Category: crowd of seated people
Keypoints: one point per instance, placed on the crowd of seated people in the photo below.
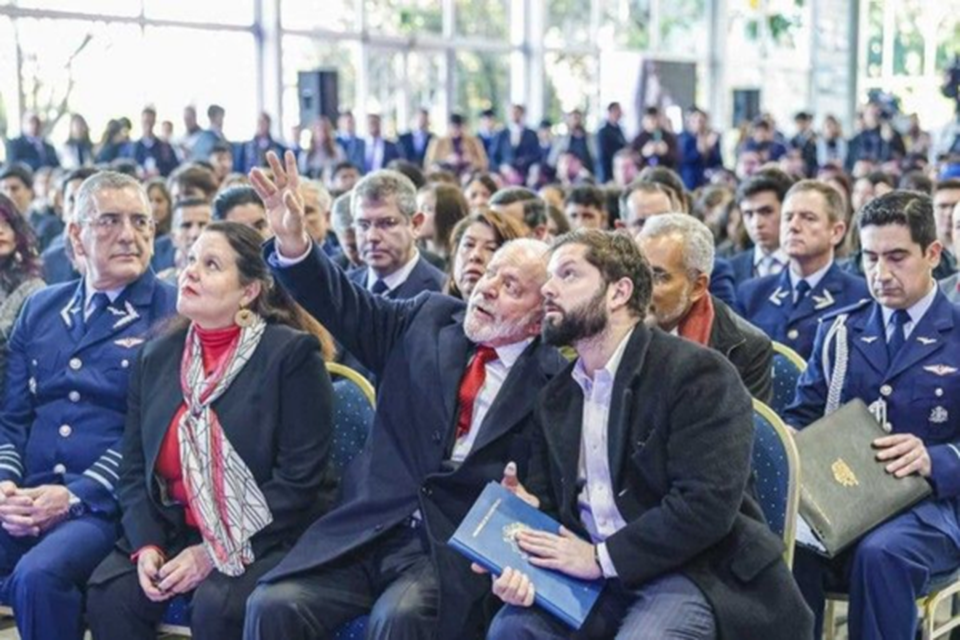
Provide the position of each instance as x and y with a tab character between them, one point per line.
580	317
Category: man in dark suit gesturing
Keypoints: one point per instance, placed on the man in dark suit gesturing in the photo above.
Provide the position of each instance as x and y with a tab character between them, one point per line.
643	453
455	402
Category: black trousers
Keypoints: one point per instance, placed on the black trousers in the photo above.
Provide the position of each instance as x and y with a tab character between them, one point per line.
392	578
118	609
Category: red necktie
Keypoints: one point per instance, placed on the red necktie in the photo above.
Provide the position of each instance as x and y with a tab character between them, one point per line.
470	386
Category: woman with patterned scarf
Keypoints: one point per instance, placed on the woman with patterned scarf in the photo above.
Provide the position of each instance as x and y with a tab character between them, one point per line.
225	456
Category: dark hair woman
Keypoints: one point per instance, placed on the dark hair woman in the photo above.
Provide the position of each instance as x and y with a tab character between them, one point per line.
19	271
443	206
226	449
473	242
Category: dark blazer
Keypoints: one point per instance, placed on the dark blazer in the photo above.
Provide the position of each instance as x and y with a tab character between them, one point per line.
610	139
24	150
164	157
670	159
355	150
408	144
277	414
721	281
418	351
520	157
747	347
742	264
680	435
424	277
391	152
251	155
768	303
57	267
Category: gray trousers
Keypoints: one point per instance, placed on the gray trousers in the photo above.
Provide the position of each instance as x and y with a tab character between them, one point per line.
392	579
669	608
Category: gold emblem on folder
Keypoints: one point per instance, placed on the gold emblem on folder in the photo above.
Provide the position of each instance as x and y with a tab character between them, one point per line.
843	474
510	533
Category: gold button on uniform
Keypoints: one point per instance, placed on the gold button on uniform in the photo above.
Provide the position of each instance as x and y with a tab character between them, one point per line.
886	390
793	334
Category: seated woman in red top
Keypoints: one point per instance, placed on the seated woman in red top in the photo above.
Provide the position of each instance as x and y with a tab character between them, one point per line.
226	449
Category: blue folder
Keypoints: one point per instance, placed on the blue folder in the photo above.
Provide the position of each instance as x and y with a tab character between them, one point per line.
486	536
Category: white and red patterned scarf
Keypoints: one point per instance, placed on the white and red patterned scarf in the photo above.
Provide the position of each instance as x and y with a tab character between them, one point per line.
223	495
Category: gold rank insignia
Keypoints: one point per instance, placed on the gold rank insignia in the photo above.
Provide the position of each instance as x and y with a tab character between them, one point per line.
843	474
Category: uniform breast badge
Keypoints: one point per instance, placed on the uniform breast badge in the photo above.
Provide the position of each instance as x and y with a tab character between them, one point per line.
940	369
939	415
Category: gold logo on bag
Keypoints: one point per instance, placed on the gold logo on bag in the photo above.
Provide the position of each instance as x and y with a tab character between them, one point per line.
843	474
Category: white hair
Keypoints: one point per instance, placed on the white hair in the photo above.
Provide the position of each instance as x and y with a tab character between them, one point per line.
317	188
105	181
698	243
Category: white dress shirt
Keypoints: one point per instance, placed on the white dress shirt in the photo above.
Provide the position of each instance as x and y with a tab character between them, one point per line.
813	279
88	293
496	372
766	264
396	278
598	508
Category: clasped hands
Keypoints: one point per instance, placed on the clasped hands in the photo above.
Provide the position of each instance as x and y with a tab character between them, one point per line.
161	580
566	553
30	512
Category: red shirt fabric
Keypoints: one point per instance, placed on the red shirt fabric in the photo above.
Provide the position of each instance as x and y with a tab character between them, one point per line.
215	345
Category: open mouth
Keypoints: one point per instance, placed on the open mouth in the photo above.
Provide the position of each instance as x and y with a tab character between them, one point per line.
188	291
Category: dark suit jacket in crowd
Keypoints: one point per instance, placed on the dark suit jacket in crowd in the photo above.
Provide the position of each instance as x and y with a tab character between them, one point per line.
680	434
520	157
164	157
26	151
610	139
747	347
418	350
721	281
424	277
408	145
57	267
355	149
742	264
250	154
277	415
671	159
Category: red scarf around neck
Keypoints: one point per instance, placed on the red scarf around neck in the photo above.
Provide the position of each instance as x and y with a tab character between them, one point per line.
698	323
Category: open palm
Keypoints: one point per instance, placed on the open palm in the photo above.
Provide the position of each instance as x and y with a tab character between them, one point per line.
283	202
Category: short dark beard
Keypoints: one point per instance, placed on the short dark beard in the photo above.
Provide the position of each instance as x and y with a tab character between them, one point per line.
586	321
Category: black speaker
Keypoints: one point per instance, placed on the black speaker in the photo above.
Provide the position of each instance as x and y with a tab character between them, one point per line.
317	91
746	105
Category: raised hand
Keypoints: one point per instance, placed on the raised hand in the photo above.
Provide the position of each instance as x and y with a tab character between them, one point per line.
284	204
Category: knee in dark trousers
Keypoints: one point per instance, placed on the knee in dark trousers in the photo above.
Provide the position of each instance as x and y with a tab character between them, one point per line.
215	613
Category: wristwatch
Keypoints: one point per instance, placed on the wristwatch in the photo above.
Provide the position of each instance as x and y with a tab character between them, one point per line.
75	506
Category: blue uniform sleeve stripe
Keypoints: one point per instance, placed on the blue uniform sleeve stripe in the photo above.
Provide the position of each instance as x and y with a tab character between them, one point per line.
109	461
8	459
7	446
11	469
93	475
107	470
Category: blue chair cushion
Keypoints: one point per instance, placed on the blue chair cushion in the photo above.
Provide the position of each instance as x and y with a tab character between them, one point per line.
771	472
785	376
352	419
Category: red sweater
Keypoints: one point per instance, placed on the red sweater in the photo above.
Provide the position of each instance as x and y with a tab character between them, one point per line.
215	345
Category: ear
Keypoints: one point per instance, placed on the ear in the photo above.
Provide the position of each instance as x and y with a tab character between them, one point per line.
836	234
622	291
417	219
251	292
701	287
933	254
73	237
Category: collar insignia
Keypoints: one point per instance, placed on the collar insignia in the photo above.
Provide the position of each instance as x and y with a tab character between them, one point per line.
824	301
779	295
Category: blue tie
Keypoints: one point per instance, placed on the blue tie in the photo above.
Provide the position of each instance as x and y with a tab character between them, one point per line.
898	338
98	302
379	287
801	291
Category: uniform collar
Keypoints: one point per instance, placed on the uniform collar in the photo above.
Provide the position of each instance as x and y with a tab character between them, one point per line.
813	279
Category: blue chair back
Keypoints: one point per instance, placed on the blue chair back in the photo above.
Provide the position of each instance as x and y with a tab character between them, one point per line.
352	413
776	470
788	366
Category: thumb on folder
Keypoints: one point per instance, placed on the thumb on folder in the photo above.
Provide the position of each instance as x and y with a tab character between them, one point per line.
512	484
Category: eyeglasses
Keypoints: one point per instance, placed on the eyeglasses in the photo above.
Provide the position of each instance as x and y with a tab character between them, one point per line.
110	223
381	224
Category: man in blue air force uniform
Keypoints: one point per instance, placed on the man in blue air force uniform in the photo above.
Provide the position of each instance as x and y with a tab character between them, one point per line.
788	306
900	354
64	406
